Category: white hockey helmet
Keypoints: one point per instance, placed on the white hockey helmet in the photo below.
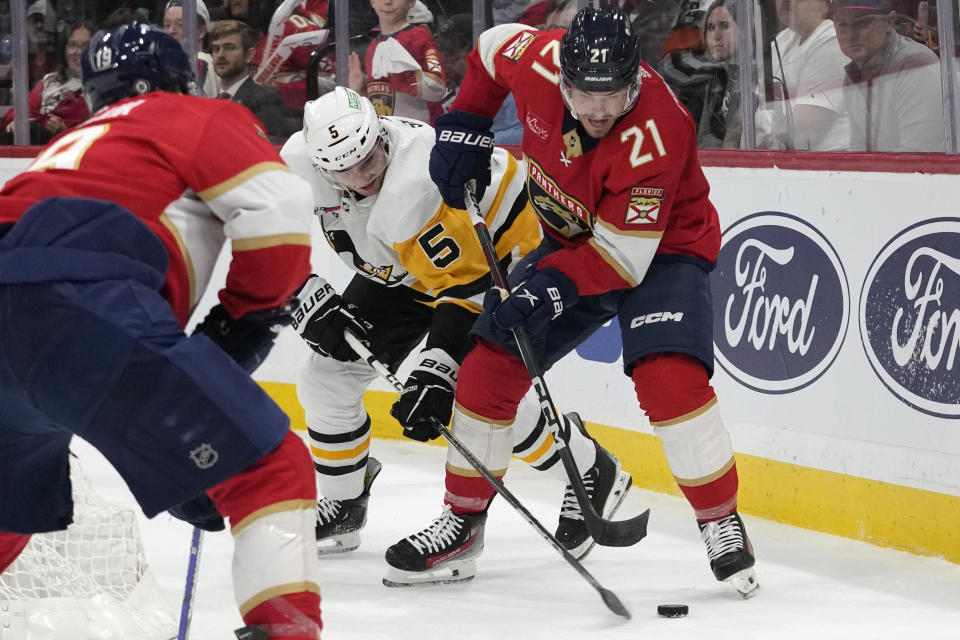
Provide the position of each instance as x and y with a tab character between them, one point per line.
341	128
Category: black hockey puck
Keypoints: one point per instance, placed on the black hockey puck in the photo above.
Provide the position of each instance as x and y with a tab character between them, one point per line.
672	610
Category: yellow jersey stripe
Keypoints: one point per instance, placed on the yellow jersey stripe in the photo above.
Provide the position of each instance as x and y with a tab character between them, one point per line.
218	190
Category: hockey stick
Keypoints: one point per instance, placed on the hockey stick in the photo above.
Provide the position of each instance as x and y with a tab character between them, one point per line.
610	533
190	588
609	597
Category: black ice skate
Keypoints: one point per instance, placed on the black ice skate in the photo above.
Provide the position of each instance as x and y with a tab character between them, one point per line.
607	485
251	633
339	521
730	553
443	552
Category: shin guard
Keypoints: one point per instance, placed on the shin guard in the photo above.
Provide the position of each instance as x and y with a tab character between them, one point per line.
491	442
674	391
534	443
272	512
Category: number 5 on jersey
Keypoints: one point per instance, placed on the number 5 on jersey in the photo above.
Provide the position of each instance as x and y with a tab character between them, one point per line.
441	250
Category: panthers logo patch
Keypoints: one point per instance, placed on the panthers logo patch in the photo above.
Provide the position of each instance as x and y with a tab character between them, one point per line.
382	97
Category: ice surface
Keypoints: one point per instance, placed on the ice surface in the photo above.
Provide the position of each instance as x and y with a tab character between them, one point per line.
813	586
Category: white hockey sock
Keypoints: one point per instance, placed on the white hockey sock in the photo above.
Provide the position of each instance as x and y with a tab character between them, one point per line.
535	445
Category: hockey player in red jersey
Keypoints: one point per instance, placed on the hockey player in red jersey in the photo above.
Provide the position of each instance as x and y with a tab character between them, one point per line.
629	231
107	242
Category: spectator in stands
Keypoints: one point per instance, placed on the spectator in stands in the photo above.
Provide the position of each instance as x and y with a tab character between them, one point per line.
56	101
807	65
892	83
653	21
173	24
41	36
289	78
549	14
119	16
420	14
401	72
685	65
233	46
720	123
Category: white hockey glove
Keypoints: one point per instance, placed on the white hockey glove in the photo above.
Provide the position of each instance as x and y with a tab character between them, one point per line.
322	318
427	397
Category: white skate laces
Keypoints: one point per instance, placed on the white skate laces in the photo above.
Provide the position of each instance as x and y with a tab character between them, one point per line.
570	509
441	533
327	510
722	536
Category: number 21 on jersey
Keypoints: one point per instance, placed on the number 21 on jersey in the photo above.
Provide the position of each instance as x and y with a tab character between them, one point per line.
637	157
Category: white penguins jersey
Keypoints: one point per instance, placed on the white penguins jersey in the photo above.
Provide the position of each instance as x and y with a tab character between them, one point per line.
405	235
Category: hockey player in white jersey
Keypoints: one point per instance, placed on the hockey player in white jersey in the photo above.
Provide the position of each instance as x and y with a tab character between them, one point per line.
420	272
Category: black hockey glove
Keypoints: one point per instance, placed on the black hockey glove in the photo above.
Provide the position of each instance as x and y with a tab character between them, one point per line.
462	153
536	302
322	318
427	396
200	512
247	339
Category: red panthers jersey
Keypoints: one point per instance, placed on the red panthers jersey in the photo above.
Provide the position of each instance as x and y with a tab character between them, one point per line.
197	172
409	94
290	78
616	202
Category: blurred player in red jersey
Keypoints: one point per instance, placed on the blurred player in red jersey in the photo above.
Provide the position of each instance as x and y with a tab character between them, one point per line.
107	242
290	78
629	232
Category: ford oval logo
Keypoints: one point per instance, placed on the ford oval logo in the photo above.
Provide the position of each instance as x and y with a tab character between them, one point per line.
910	316
781	303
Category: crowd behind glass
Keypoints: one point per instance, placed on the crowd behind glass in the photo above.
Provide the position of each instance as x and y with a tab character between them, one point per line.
824	75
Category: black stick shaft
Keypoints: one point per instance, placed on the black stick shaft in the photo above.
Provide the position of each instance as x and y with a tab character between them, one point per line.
609	598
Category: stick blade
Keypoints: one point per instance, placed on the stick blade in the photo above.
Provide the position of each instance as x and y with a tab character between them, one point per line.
613	603
617	533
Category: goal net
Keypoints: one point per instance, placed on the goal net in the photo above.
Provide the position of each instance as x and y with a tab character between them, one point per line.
89	582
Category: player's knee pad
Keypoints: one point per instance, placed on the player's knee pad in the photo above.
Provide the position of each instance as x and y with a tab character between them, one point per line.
284	475
670	385
491	441
674	391
491	382
534	442
331	393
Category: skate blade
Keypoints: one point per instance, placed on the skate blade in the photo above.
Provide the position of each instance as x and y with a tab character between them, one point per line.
338	544
745	582
617	495
450	572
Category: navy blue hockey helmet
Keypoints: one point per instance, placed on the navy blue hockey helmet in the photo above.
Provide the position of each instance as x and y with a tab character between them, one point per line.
131	60
600	52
